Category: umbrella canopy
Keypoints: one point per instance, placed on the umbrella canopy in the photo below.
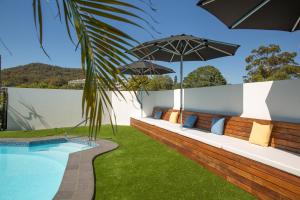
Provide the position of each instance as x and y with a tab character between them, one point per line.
145	68
183	48
256	14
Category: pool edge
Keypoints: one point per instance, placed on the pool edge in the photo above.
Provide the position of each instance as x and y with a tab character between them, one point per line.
78	182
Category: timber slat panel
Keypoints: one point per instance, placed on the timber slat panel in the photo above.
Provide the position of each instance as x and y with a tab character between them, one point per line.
284	136
286	148
193	144
259	179
233	162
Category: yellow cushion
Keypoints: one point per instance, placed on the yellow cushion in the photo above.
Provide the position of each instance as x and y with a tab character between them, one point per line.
173	117
260	134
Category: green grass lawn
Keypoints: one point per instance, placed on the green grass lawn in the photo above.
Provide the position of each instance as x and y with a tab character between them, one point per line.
142	168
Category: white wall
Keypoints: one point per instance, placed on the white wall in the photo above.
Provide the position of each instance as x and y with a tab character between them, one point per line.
275	100
176	96
254	96
164	98
130	106
43	108
226	100
30	109
47	108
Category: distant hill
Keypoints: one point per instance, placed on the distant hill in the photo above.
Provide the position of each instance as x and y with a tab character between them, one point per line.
40	75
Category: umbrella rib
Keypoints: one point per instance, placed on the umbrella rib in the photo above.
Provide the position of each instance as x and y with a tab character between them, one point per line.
198	54
186	44
250	13
194	48
148	70
296	24
219	42
168	50
152	69
152	52
175	49
220	50
142	47
140	50
196	41
207	2
172	57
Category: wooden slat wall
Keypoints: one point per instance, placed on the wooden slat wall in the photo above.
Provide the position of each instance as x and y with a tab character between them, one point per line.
284	136
258	179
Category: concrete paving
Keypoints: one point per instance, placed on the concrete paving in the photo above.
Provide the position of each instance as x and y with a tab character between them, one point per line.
79	182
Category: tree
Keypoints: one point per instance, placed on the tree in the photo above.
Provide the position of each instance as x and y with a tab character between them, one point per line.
176	85
153	84
102	44
203	77
58	82
32	73
160	82
138	83
268	63
175	80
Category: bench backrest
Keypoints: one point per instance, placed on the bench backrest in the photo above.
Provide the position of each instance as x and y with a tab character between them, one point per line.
284	135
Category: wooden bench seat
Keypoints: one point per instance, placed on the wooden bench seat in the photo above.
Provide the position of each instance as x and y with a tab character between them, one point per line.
260	179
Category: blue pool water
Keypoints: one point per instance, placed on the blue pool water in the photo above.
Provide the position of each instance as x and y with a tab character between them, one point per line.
35	171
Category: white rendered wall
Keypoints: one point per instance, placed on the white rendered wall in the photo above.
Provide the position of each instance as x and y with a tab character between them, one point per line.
272	100
276	100
255	95
164	98
226	100
43	108
130	106
47	108
176	96
31	109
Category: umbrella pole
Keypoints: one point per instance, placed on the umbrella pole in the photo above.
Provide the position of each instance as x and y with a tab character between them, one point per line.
140	94
142	97
181	75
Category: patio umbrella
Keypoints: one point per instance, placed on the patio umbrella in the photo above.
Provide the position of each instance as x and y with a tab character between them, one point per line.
182	48
145	68
141	68
256	14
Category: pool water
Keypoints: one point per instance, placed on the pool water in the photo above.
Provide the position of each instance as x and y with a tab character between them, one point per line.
34	171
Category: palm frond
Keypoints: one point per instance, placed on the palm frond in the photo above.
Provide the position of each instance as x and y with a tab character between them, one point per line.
102	45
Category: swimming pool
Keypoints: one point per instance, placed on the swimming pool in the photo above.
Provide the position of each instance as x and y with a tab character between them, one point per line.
34	170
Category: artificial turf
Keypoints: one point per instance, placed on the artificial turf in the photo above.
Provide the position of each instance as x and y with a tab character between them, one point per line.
142	168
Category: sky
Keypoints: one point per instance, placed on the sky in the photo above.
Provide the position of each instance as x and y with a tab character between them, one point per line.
173	16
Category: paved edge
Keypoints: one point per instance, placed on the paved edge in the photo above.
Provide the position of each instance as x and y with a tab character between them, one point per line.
78	182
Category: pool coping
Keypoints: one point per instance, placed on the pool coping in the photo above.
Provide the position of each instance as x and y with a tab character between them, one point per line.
78	182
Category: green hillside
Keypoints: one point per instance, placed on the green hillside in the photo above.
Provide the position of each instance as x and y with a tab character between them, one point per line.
38	75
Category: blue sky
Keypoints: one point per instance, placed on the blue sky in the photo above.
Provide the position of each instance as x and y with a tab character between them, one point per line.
174	17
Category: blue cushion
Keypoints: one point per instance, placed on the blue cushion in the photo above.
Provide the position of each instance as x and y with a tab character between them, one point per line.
217	126
190	121
157	114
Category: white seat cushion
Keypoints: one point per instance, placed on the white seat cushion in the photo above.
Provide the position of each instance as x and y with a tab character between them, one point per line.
276	158
202	136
